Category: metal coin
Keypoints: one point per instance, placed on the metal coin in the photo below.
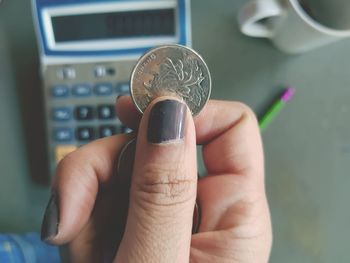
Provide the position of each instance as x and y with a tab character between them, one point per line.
171	70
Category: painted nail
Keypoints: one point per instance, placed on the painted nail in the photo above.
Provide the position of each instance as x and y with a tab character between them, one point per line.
49	228
166	121
196	218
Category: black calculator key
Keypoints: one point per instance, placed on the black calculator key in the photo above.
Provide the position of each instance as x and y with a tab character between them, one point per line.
83	113
81	90
59	91
85	133
125	129
106	112
103	89
62	134
61	114
107	130
123	88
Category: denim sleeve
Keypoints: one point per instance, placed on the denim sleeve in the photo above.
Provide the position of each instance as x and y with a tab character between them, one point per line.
26	248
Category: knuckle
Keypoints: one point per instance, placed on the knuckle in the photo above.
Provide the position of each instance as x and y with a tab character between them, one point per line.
71	166
248	116
165	185
246	110
66	162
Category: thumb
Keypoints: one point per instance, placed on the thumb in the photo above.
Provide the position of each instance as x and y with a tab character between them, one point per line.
163	189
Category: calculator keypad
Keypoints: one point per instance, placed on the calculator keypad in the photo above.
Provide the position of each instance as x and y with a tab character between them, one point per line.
101	118
80	102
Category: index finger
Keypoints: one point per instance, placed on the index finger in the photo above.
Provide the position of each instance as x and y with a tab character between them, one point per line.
78	178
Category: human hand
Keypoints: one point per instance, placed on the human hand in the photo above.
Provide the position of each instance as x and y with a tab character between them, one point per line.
235	223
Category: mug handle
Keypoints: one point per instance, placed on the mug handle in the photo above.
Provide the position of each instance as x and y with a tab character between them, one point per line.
251	14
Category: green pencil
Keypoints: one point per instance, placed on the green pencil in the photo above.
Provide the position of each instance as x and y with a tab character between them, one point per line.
276	108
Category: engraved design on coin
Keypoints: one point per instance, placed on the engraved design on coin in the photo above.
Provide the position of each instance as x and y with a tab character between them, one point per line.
171	70
183	78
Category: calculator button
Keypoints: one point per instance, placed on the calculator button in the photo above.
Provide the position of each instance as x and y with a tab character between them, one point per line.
106	112
103	71
62	150
107	130
81	90
85	133
123	88
59	91
100	71
61	114
82	113
103	89
62	134
66	73
125	129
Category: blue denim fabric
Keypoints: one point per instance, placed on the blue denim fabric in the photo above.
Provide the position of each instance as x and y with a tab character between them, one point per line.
26	248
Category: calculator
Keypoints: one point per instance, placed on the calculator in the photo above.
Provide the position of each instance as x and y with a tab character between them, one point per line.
88	49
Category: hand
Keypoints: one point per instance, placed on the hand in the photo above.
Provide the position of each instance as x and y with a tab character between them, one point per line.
235	222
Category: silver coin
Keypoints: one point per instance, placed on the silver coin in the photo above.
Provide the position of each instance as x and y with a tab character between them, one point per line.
171	70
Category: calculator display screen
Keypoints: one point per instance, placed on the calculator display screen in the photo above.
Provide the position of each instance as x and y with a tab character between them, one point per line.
114	25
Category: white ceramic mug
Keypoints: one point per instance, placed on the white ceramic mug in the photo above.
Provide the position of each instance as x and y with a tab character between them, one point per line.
296	26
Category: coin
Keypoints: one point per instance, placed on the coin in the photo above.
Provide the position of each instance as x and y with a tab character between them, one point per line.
171	70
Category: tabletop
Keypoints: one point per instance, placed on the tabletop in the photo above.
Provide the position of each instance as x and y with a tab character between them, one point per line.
307	148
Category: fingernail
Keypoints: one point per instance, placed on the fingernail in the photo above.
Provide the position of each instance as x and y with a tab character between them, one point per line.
166	121
126	163
196	218
49	228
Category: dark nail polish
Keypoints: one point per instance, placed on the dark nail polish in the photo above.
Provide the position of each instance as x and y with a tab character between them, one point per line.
49	228
166	121
196	218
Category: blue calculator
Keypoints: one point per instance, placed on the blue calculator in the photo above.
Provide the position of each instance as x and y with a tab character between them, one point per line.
88	49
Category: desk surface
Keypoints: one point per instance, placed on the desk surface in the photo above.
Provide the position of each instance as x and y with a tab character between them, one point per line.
307	147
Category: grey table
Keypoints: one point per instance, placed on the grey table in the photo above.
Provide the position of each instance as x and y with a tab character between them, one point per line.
307	147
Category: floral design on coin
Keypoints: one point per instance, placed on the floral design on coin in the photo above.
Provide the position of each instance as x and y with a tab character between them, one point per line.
171	70
183	78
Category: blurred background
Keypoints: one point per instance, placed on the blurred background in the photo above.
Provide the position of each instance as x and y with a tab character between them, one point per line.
307	147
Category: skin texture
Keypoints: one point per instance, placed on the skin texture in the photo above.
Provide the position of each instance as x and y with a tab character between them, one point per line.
235	220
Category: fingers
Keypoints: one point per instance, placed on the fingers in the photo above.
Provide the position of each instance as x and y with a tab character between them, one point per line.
234	140
234	209
127	113
229	131
233	202
75	188
232	150
163	189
